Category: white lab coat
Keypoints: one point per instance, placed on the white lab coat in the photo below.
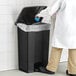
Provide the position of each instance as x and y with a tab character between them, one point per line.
64	35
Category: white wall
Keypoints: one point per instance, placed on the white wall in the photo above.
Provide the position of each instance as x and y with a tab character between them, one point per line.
9	10
8	42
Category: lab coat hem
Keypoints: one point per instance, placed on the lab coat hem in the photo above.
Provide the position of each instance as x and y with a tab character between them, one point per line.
56	46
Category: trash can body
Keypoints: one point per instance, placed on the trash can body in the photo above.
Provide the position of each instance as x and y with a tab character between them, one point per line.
33	49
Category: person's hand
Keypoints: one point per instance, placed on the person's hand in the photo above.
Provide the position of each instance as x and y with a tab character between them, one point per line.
44	13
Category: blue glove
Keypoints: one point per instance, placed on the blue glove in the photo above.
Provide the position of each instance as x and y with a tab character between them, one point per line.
37	19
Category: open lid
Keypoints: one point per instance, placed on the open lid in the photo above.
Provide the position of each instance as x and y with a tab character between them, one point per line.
28	14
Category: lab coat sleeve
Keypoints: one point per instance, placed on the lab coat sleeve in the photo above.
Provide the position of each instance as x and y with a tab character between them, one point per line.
53	6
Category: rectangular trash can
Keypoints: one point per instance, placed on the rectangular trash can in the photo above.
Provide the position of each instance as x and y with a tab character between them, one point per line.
33	45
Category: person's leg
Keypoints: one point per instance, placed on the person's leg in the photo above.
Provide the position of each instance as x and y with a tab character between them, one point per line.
72	61
54	59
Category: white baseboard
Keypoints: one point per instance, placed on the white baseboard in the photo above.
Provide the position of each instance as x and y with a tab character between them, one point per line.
9	67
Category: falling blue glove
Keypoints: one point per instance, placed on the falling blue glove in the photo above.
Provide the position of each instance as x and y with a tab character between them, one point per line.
37	19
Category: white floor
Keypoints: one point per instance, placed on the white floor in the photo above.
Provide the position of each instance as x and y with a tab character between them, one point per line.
61	72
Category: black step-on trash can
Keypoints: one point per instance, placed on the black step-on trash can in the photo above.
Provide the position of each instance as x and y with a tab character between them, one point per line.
33	39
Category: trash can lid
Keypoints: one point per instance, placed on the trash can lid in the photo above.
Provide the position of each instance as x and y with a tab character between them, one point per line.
28	14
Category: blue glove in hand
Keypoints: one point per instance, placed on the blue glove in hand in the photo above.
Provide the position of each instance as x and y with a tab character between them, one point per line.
46	17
